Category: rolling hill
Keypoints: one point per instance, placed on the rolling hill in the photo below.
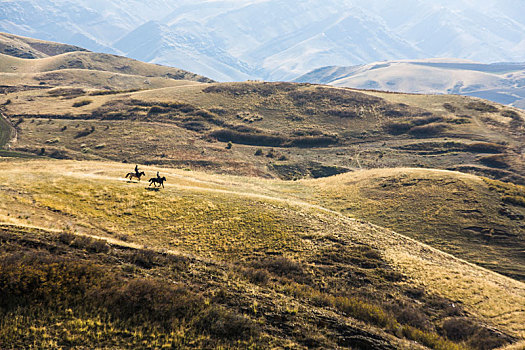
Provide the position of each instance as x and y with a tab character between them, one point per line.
278	129
297	275
498	82
293	216
19	57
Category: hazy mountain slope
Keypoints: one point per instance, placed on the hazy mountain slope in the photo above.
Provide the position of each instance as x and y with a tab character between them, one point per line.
480	31
157	43
275	39
501	82
94	25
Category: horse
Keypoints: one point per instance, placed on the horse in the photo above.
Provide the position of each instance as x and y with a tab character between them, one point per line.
137	175
157	180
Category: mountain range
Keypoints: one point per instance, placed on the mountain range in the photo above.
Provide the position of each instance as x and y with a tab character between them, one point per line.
231	40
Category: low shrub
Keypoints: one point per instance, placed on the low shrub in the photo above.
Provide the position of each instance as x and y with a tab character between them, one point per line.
150	300
495	161
409	315
428	130
426	120
449	107
144	258
66	92
510	193
257	276
90	244
343	113
398	128
222	323
478	337
268	140
82	103
282	266
85	132
111	92
157	110
511	114
195	126
485	147
516	200
428	339
53	140
481	106
364	311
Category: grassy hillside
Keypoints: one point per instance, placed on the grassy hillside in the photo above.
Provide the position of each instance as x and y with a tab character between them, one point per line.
23	47
251	266
477	219
96	62
276	129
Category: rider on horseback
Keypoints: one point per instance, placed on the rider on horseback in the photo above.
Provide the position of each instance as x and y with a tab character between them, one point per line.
137	170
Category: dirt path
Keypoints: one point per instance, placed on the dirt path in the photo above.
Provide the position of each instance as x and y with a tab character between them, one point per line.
7	131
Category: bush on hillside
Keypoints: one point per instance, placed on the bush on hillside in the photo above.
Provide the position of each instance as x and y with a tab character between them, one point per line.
428	130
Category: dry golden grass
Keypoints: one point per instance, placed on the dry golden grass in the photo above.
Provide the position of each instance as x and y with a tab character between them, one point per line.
92	61
457	213
225	217
283	115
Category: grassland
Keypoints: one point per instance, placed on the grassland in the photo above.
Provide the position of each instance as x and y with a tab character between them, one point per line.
394	252
280	130
479	220
24	47
281	267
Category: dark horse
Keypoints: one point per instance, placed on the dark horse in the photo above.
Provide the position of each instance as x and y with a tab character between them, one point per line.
137	175
157	180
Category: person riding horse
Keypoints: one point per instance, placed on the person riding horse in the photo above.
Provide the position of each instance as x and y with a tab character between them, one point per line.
138	174
157	180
